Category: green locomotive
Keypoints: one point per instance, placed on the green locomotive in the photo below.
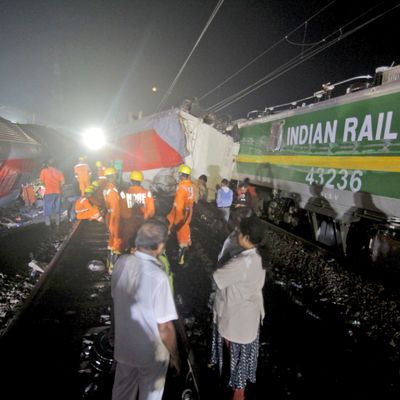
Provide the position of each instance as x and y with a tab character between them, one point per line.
334	163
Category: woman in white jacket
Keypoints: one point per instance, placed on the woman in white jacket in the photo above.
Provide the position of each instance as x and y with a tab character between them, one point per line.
239	307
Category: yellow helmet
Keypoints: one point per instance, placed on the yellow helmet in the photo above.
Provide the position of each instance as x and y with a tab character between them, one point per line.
184	169
110	171
95	184
136	176
89	189
98	164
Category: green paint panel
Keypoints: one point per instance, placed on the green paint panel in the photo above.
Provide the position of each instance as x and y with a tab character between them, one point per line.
368	126
377	183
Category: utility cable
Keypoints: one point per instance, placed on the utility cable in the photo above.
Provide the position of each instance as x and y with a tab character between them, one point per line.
334	41
171	87
264	52
287	64
293	63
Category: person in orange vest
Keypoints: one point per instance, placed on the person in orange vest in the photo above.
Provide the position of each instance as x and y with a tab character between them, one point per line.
82	174
113	214
100	171
98	197
52	179
182	210
137	206
85	208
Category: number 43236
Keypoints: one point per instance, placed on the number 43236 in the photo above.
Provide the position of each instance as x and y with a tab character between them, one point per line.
331	178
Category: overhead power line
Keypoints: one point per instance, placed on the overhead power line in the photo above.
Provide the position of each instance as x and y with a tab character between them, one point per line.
171	87
295	62
265	52
295	59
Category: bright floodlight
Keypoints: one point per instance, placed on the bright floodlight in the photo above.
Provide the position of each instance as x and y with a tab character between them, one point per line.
94	138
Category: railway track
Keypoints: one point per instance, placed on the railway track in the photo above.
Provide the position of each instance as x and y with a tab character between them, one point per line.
42	347
309	243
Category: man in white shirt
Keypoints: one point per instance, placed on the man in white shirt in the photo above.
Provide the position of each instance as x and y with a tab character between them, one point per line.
144	308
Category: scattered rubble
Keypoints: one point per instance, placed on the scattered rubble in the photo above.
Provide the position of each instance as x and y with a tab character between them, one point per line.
322	288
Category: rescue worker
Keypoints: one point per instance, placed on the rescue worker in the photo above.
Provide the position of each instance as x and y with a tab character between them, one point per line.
98	197
100	171
82	174
113	214
85	208
182	210
52	179
137	206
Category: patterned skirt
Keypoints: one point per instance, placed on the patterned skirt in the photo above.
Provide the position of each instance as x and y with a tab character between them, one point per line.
243	359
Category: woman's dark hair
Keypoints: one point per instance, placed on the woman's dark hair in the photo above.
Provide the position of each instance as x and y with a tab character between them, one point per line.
151	234
203	178
254	229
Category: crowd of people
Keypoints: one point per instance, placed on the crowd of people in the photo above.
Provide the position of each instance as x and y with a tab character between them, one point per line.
143	331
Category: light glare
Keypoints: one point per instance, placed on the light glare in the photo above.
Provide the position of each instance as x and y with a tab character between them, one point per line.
94	138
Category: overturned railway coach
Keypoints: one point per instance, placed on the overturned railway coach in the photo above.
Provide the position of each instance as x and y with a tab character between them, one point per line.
19	156
335	162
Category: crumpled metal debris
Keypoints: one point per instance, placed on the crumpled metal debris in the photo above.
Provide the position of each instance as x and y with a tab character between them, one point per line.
9	223
96	266
35	267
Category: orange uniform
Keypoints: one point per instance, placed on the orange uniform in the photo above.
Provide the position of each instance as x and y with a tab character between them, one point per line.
82	174
112	203
100	172
182	210
97	197
52	179
86	210
137	205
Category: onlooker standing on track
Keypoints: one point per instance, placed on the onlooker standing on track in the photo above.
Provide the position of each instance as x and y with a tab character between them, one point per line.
239	308
224	199
254	196
52	179
242	205
144	308
200	189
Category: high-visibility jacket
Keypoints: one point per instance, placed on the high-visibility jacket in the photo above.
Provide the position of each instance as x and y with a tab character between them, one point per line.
137	205
97	198
100	172
82	174
113	214
86	210
138	200
182	210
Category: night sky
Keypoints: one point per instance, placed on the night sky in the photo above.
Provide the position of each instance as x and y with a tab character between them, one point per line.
76	63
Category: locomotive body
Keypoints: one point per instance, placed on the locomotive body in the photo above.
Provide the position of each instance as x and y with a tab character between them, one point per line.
336	162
